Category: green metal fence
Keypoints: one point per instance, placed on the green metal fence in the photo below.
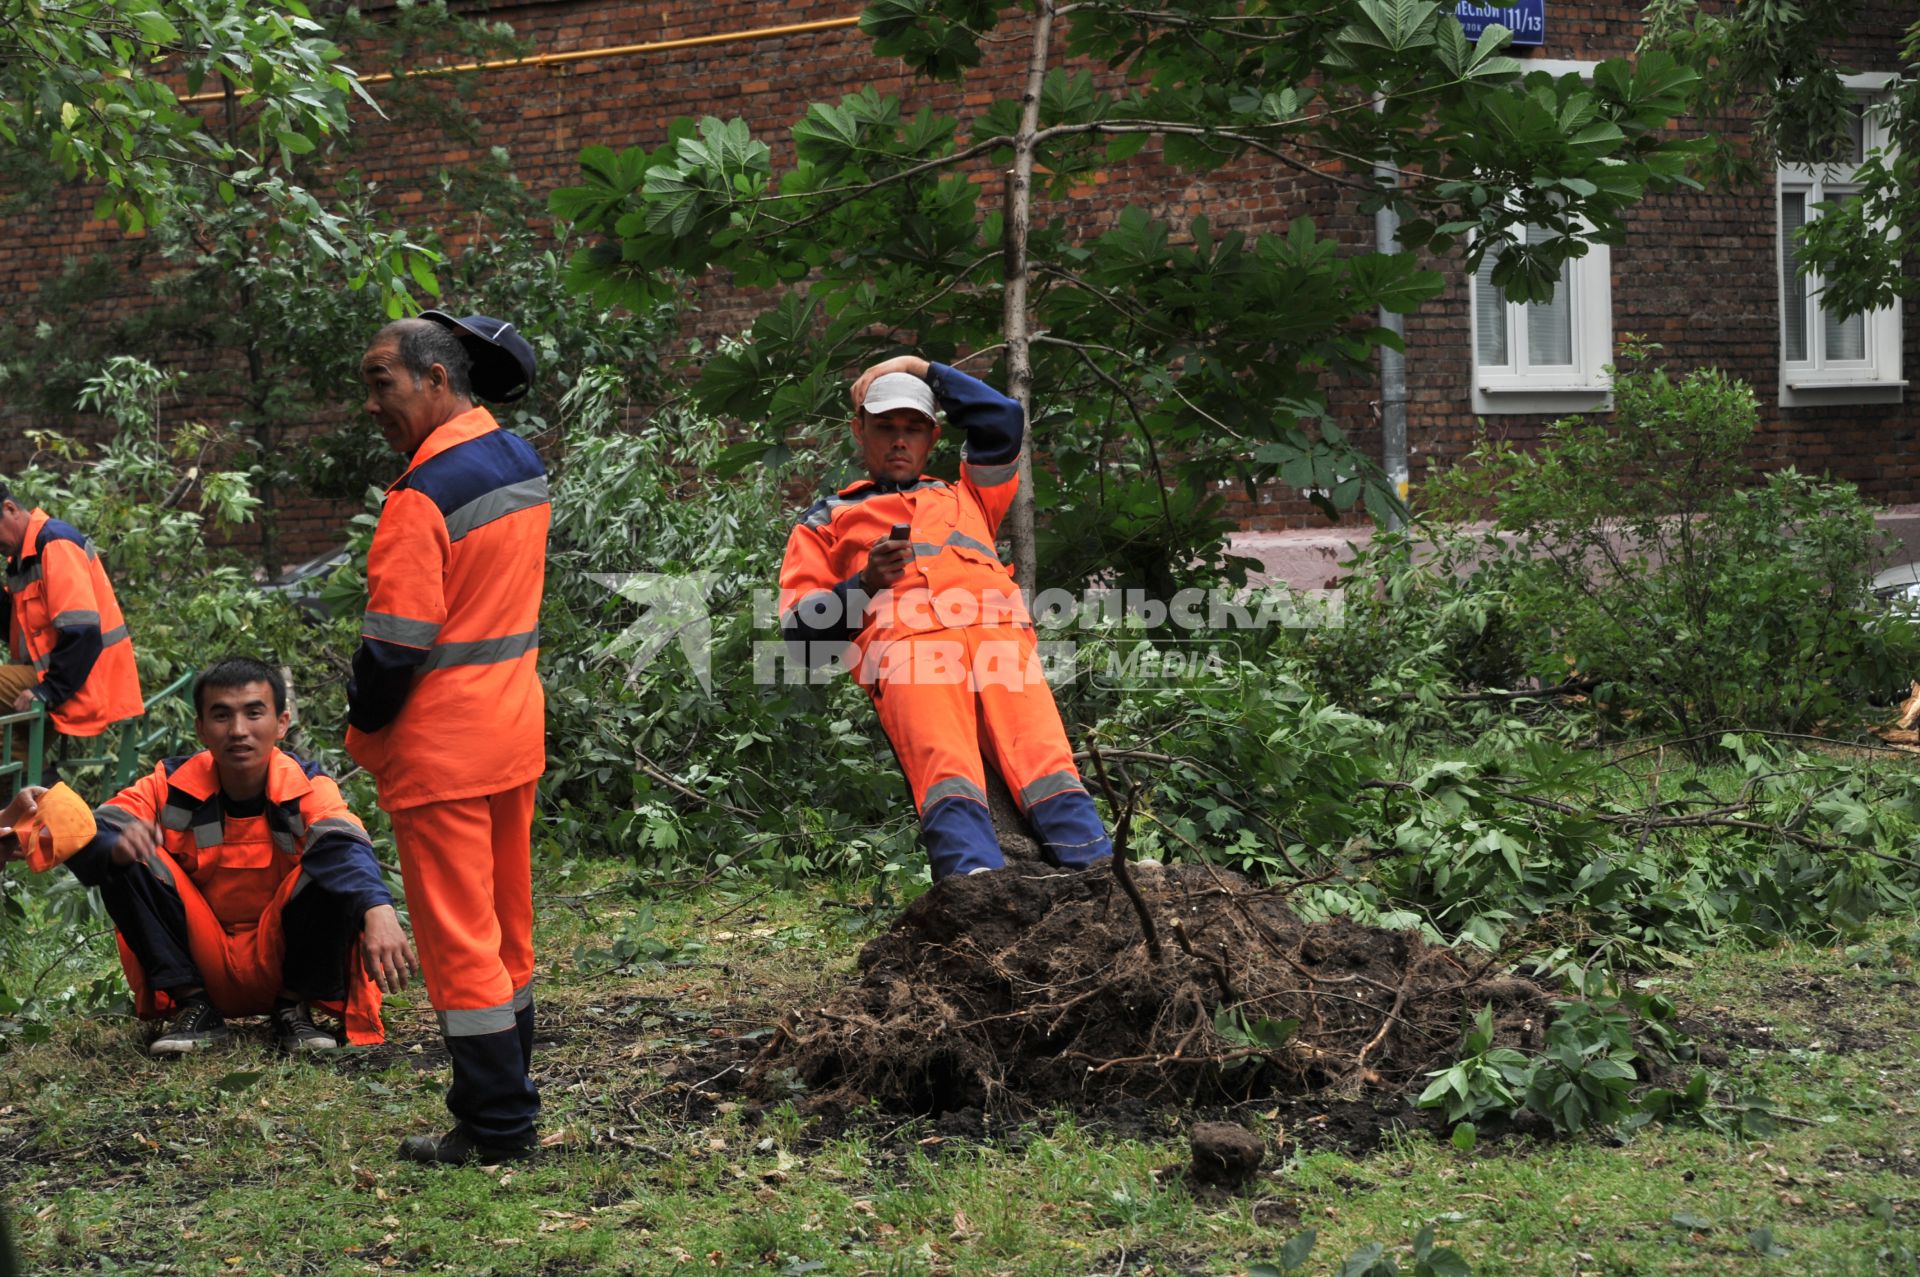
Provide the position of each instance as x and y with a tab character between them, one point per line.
25	733
130	747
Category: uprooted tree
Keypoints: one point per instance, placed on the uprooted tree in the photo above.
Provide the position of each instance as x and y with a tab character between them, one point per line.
1167	358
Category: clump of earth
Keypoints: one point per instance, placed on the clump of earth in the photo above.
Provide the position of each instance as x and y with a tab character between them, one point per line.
1031	988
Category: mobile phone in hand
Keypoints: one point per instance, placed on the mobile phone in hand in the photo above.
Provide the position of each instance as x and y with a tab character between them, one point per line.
900	532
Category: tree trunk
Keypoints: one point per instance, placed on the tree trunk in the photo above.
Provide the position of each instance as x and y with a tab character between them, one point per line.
257	395
1019	220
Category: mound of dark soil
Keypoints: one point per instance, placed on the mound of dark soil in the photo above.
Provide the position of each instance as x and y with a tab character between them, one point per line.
1030	988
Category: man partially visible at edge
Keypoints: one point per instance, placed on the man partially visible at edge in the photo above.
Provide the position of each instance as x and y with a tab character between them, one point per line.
70	646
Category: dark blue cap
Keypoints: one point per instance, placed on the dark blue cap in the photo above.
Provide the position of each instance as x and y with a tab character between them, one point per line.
502	359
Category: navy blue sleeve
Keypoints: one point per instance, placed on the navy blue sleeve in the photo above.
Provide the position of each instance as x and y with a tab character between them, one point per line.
819	626
994	423
69	663
344	865
382	677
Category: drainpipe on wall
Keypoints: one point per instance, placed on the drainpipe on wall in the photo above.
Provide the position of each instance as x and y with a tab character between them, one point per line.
1393	364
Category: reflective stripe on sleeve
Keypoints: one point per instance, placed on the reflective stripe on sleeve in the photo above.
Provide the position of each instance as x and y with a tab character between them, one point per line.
118	634
77	617
404	630
112	816
337	825
481	651
18	581
992	476
497	504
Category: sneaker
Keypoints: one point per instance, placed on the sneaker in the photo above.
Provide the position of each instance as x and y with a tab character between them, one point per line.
458	1148
196	1026
294	1030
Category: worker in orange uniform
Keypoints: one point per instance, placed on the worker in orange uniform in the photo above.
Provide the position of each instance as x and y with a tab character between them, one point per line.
68	636
941	638
239	883
445	706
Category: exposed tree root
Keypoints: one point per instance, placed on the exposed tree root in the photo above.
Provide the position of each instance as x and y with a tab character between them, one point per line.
1029	987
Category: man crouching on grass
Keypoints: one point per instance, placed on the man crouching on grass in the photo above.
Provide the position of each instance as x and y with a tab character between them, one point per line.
240	884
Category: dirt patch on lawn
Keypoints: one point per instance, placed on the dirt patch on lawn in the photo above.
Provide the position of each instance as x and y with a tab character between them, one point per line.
1025	990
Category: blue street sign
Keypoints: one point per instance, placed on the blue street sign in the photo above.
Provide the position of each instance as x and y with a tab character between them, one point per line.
1527	20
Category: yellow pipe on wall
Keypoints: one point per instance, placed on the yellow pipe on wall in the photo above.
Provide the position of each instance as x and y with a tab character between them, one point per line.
583	55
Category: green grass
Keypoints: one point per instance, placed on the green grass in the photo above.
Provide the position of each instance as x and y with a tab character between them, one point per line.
241	1163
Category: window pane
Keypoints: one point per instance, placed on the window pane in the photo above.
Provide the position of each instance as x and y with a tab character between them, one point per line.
1846	338
1793	305
1550	323
1490	318
1550	328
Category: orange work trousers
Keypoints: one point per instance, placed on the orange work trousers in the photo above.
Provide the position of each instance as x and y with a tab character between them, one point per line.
946	698
241	969
467	867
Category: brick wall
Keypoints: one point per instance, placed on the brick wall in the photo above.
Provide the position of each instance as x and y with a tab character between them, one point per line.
1697	271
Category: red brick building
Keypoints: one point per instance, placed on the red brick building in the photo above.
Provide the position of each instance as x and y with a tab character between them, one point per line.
1701	273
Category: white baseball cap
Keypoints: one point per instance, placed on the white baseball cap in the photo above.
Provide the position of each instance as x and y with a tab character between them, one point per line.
900	390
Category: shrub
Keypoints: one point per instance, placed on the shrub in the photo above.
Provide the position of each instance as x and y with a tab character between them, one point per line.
1640	555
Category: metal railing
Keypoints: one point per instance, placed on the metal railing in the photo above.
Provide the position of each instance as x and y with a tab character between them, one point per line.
28	726
139	739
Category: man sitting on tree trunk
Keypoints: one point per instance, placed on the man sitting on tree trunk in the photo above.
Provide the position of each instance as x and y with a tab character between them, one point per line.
240	884
903	566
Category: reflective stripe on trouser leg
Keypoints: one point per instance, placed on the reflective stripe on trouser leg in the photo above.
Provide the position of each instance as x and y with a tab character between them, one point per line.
1021	727
470	898
923	696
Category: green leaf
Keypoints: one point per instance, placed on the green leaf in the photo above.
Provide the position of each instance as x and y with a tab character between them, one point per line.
238	1081
422	272
1465	1136
1296	1249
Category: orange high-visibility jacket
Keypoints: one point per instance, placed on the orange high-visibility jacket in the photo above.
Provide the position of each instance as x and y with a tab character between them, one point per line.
67	625
242	869
446	701
957	577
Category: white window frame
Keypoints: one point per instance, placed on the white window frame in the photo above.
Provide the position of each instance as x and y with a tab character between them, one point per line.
1584	385
1817	380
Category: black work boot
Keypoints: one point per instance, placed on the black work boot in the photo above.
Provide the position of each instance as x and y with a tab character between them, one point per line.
458	1148
196	1026
295	1032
